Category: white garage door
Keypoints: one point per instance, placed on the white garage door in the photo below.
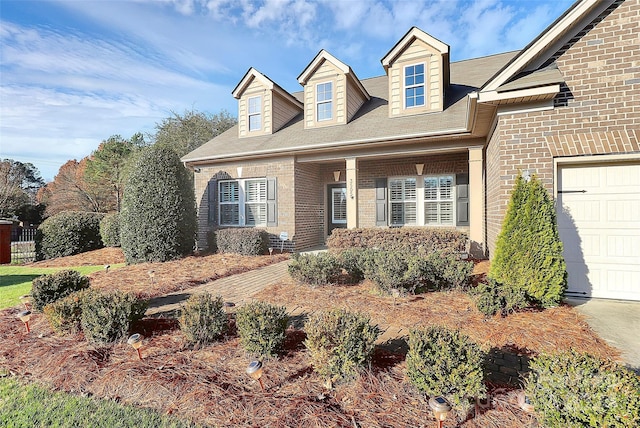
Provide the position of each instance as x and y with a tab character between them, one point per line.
599	224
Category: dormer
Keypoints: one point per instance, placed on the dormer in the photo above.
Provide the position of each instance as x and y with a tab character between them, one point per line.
263	106
332	92
418	72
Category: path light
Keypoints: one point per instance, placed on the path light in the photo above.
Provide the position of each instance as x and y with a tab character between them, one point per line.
523	402
25	316
395	293
26	300
135	340
271	251
255	371
440	407
227	307
106	268
152	275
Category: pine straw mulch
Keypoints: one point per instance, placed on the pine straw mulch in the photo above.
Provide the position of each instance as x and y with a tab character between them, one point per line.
209	385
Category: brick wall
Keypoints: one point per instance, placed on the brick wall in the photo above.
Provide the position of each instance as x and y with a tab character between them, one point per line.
597	111
309	206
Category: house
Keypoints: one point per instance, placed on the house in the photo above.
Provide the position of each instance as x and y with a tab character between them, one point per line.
436	143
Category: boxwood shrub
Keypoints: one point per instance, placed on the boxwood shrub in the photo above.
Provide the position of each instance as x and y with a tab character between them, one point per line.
203	319
572	389
262	328
315	269
65	315
110	230
491	297
68	233
247	241
48	288
107	316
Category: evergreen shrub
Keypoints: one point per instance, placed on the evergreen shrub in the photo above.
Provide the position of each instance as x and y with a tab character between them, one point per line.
48	288
65	315
339	343
315	269
571	389
110	230
68	233
492	297
158	217
212	243
203	319
262	328
247	241
445	362
107	316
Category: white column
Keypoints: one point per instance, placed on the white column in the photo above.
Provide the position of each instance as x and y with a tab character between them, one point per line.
352	193
476	203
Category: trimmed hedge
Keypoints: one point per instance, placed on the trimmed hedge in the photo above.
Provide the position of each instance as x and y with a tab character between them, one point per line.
247	241
315	269
68	233
107	316
65	315
492	297
262	328
570	389
110	230
203	319
408	239
47	289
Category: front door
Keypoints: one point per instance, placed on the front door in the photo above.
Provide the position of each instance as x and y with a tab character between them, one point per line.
337	206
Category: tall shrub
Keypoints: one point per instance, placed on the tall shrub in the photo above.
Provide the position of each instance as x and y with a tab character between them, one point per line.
68	233
110	230
528	253
107	316
203	319
158	217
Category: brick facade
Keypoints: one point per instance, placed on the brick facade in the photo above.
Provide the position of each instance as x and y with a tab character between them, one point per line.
597	111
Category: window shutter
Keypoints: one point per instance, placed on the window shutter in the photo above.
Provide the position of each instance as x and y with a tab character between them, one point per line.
212	200
272	202
462	203
381	201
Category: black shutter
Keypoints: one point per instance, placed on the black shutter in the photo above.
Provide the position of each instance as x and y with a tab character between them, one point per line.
272	202
381	201
462	203
212	193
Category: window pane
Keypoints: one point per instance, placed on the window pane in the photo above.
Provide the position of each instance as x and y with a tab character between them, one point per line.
254	105
410	213
446	212
256	214
414	85
230	214
410	189
397	213
430	188
339	205
255	190
431	212
324	92
446	186
229	191
255	122
325	111
395	190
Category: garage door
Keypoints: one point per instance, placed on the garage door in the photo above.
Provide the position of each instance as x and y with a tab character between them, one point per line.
599	223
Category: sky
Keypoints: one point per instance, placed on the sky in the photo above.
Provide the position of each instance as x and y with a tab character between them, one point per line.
75	72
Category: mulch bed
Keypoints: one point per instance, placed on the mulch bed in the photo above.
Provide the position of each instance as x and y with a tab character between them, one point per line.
209	385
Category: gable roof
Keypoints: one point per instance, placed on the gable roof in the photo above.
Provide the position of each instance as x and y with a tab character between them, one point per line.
411	35
252	74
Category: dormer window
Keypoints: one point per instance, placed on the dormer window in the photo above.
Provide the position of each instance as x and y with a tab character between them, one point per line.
255	113
414	86
324	101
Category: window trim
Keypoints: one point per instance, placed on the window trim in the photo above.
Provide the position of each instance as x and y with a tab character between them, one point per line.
242	202
420	201
251	114
330	101
405	86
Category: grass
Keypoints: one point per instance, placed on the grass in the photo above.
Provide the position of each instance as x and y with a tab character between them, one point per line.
16	280
34	406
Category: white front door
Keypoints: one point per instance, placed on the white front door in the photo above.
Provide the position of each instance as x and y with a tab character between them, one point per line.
598	209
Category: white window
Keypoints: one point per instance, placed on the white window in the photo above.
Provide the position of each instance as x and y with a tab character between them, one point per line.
436	194
324	101
403	201
243	202
438	200
339	204
414	85
255	113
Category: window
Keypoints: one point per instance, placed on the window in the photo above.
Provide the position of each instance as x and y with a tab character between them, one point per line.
438	200
339	205
255	113
248	197
324	101
414	85
402	197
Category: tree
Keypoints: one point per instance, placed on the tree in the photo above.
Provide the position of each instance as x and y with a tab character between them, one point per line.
19	185
528	252
158	217
186	132
108	164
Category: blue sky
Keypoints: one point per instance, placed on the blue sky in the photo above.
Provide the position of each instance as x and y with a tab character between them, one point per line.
73	73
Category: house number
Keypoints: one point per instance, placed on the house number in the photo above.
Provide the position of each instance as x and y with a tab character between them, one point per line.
351	188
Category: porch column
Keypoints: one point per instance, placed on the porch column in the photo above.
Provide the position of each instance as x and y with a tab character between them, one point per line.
352	192
476	203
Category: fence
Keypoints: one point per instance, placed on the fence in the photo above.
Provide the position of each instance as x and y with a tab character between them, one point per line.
23	245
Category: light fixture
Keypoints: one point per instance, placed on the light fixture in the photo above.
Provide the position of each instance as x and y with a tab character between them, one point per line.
524	403
106	268
440	407
336	175
26	300
135	340
271	252
196	170
419	168
25	316
239	171
255	371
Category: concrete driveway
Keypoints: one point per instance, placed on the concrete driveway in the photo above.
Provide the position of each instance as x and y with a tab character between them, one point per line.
617	322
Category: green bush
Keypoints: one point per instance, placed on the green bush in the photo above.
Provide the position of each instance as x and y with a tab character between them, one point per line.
492	297
65	315
212	243
47	289
447	363
158	217
528	253
570	389
339	343
247	241
354	262
68	233
448	270
262	328
389	270
107	316
315	269
110	230
203	319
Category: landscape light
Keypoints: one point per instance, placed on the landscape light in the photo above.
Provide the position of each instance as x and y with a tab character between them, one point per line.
25	316
26	300
255	371
135	340
440	407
